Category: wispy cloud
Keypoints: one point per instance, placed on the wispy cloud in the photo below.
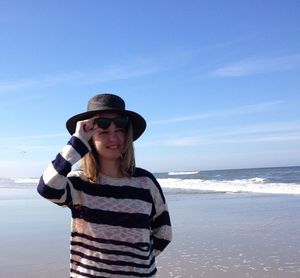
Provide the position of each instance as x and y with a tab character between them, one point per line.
24	144
253	66
39	82
287	131
259	107
107	74
213	139
34	137
135	67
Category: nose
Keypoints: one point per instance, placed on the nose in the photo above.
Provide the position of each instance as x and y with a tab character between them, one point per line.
113	134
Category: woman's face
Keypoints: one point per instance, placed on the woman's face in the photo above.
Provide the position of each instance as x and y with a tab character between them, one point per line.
109	142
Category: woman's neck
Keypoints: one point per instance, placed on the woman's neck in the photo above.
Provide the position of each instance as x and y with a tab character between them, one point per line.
111	169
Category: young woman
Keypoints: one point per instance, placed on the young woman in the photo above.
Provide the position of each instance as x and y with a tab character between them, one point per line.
120	219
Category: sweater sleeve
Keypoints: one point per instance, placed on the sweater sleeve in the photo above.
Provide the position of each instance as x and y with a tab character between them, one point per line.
54	184
161	225
160	222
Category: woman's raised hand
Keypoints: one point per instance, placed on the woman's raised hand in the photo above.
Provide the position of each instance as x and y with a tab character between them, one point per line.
86	128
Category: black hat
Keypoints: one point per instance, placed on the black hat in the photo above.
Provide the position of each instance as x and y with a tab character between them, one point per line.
108	103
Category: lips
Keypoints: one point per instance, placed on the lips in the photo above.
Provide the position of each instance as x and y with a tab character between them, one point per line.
113	147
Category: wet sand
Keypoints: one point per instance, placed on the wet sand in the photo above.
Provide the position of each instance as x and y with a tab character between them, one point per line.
215	235
233	236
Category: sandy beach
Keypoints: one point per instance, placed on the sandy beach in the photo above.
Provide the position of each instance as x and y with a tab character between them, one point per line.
215	235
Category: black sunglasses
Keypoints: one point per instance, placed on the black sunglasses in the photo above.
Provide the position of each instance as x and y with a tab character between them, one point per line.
120	122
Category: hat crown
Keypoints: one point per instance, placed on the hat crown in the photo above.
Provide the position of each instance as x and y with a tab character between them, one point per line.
106	102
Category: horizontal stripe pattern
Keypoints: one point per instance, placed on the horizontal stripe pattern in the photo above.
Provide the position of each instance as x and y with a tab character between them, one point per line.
124	254
123	219
106	190
143	247
61	165
105	261
103	255
139	172
160	244
81	269
103	203
118	226
49	192
79	144
162	219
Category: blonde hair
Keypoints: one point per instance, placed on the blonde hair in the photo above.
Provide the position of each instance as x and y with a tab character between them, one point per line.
90	163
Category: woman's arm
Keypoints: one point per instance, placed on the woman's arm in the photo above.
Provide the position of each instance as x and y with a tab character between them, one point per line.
53	184
161	223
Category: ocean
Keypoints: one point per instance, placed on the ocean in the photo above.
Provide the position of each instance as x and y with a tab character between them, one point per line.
276	180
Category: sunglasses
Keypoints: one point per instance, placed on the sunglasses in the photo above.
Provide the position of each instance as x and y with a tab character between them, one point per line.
120	122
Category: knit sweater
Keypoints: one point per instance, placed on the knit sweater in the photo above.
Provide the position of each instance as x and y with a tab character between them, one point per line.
119	225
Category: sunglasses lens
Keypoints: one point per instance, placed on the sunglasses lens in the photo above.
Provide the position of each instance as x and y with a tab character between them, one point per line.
121	122
103	123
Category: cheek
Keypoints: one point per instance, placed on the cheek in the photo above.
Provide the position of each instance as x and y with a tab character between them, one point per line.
122	137
97	143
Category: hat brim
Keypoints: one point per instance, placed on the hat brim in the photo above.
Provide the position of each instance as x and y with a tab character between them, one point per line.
138	122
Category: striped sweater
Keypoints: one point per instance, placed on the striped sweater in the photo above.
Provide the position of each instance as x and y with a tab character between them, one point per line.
119	225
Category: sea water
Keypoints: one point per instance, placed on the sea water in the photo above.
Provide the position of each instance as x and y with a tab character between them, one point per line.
276	180
279	180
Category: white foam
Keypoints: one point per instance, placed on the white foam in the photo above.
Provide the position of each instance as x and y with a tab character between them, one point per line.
183	173
31	181
255	185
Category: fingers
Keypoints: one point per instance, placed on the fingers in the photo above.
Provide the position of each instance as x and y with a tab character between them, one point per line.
87	125
86	128
84	125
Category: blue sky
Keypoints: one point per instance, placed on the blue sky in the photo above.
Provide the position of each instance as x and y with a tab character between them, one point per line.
217	81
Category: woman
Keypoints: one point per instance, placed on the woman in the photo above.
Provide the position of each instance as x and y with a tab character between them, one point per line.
120	220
